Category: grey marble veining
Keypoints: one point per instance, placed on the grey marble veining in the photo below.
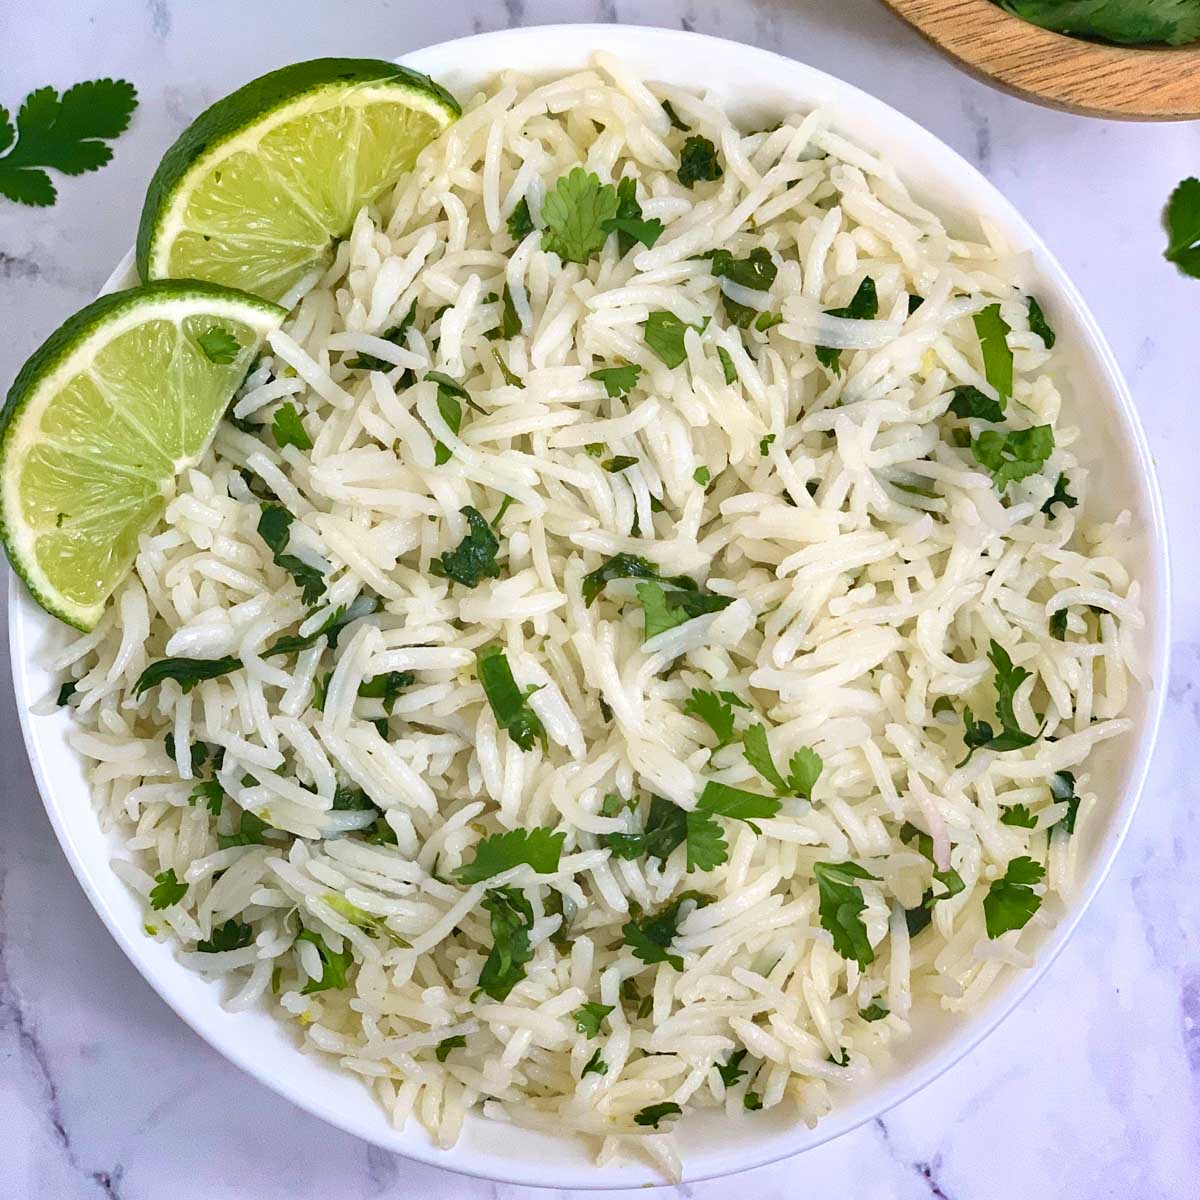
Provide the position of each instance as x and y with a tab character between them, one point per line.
1091	1089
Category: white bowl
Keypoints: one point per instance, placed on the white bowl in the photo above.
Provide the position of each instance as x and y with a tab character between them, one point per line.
755	85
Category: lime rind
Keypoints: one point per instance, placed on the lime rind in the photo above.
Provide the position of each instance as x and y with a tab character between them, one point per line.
89	448
232	201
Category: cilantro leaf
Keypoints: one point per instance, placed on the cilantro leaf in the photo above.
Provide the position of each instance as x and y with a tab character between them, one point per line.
1062	788
1019	816
619	463
386	687
330	628
969	401
625	566
395	335
589	1017
509	327
1039	325
698	162
841	905
66	694
804	767
211	793
731	1072
950	879
520	223
706	844
219	345
187	672
727	368
1013	455
653	1113
575	211
703	476
442	1050
863	306
752	1102
231	936
1060	496
757	271
448	394
673	116
1058	624
1182	219
664	609
249	833
167	889
618	381
511	919
474	559
736	804
510	377
333	964
1142	22
874	1011
274	527
538	848
664	333
649	937
1008	679
66	134
1011	900
715	711
993	331
509	704
594	1064
287	429
629	224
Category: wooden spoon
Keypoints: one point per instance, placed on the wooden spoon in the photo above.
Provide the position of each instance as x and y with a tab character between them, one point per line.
1100	81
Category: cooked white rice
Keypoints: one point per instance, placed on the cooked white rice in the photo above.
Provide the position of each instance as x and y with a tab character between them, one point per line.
858	605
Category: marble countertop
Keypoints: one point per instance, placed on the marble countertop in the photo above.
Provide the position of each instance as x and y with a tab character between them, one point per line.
1091	1089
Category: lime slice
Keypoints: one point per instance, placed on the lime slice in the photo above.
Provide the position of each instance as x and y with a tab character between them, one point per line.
258	186
102	418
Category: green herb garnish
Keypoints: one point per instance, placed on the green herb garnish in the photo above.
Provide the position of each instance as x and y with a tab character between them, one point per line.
863	306
219	345
664	333
1013	455
167	889
698	162
512	919
288	430
187	672
841	905
1011	900
993	332
474	559
538	848
509	704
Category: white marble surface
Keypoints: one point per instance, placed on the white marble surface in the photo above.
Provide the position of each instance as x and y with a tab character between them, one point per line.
1092	1089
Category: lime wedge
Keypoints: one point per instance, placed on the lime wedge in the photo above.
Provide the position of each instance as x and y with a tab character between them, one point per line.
258	186
102	418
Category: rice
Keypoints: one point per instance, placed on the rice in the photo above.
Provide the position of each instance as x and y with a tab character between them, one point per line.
865	560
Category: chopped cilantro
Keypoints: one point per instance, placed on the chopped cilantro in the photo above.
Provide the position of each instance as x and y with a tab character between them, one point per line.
993	331
386	687
520	223
650	937
589	1017
757	271
619	463
969	401
538	848
1062	788
274	527
66	694
731	1072
511	919
626	566
703	476
673	116
653	1113
474	558
510	377
1060	496
1039	325
287	429
1013	455
752	1101
664	609
576	211
443	1048
167	889
728	370
334	965
874	1011
804	767
765	444
841	905
249	832
698	162
395	335
595	1064
715	709
618	381
211	793
233	935
664	333
629	224
509	704
863	306
187	672
219	345
1058	624
1018	815
1011	900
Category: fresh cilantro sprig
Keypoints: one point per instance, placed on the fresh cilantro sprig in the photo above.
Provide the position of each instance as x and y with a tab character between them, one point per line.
1013	455
66	134
804	767
474	558
650	937
664	334
287	430
715	709
219	345
630	224
979	735
575	211
1011	900
664	608
538	848
618	381
589	1018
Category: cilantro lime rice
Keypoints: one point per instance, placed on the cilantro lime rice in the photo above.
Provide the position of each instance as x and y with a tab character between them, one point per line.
638	633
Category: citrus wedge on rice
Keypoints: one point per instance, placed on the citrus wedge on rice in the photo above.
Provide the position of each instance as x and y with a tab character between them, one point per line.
120	399
258	187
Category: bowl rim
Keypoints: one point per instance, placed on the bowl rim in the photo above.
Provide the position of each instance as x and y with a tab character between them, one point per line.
846	1117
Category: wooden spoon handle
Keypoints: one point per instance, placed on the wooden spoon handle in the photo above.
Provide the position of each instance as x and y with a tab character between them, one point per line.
1064	72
